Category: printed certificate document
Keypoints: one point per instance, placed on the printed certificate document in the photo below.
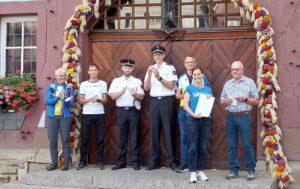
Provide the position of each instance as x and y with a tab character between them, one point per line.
204	105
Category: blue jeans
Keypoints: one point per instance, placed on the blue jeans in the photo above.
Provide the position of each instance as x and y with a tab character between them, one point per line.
183	136
61	125
199	132
239	124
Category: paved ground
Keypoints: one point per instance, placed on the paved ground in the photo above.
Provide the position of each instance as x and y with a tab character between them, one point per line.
128	178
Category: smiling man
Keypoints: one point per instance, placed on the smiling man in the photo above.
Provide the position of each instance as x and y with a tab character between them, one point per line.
127	91
93	94
238	96
161	80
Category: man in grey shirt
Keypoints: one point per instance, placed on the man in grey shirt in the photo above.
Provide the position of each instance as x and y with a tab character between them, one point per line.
238	96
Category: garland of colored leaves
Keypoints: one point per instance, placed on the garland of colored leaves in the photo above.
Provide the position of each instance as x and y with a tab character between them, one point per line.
267	86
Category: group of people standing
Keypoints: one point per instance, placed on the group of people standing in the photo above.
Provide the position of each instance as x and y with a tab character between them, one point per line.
238	96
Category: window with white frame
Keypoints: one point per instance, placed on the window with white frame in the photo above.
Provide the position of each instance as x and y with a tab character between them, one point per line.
18	45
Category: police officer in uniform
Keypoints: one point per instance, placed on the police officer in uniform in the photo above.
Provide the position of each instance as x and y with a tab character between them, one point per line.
161	80
127	91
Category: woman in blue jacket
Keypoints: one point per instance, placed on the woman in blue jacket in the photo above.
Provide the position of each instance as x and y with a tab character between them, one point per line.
59	99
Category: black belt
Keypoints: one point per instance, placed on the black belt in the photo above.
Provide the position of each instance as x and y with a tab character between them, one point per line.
239	113
125	107
161	97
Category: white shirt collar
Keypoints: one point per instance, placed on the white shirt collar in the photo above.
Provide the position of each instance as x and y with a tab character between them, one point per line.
124	79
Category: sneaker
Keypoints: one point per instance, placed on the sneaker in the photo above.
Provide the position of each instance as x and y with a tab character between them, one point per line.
251	175
202	176
81	166
193	178
232	175
51	167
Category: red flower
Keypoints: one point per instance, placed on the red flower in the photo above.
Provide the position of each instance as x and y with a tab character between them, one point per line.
29	99
268	47
72	44
74	22
72	138
285	179
18	71
264	25
266	101
28	112
14	103
69	80
269	144
268	92
266	80
268	115
257	14
266	124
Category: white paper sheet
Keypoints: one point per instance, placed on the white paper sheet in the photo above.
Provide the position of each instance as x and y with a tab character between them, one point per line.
204	105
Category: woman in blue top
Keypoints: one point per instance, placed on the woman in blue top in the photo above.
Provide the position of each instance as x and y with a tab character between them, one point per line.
198	127
59	98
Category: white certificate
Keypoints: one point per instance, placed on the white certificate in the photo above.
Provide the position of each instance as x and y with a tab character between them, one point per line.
204	105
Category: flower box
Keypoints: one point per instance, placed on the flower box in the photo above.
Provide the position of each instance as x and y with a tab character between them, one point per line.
17	93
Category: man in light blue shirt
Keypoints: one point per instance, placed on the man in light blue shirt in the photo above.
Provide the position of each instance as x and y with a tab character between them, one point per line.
238	96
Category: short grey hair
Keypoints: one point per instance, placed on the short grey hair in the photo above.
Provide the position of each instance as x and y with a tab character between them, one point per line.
60	71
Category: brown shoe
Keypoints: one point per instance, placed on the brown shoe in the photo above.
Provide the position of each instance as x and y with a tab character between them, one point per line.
51	167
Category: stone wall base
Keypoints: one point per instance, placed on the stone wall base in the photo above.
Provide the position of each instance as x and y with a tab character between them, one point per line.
16	163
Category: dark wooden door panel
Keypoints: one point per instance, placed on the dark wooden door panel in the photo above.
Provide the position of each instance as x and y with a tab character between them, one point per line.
214	57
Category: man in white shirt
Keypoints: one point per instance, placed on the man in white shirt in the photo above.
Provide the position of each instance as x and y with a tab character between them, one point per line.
93	94
127	91
161	80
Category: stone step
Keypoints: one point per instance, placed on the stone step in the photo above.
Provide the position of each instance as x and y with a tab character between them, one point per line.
127	178
24	186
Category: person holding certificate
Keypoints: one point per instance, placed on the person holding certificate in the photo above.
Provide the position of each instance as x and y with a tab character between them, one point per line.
238	96
185	79
199	127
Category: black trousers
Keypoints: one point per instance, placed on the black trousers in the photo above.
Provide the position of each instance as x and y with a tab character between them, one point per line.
128	121
162	114
89	120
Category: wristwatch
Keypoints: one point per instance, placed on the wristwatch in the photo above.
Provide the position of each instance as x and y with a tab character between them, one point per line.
246	99
160	78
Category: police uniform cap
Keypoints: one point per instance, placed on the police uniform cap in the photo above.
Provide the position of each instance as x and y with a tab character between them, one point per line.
158	49
127	62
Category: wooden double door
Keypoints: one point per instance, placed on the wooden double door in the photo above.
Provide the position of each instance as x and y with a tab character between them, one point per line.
213	52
